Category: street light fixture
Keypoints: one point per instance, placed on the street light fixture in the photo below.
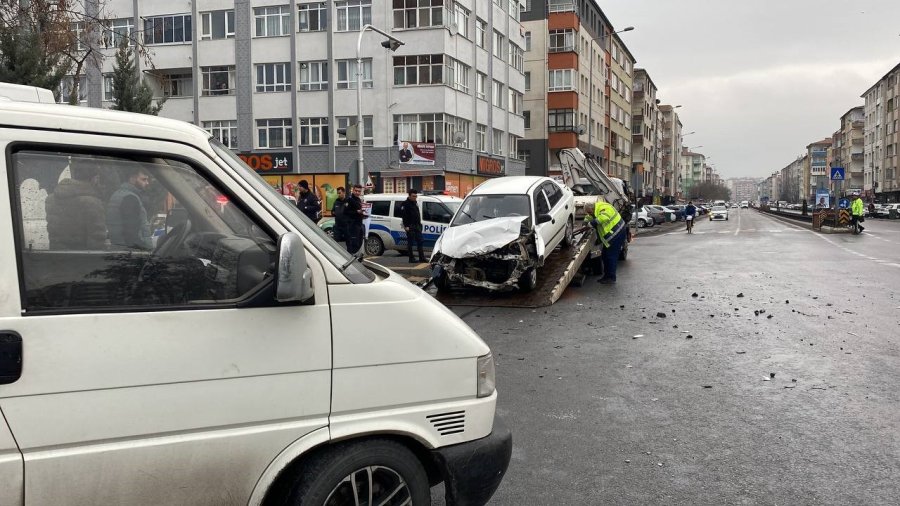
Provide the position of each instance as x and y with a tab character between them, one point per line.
391	43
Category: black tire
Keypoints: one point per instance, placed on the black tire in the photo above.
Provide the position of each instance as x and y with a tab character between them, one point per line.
442	283
374	246
528	280
569	234
641	223
323	481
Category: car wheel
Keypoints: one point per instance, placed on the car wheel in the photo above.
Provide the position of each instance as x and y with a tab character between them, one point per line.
374	246
442	282
329	232
642	223
528	280
569	236
371	472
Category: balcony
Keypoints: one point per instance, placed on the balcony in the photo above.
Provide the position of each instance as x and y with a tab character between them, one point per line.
858	124
561	6
859	141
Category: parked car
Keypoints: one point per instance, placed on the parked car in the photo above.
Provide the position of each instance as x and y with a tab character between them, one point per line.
658	215
667	213
885	211
386	230
503	232
677	210
718	213
644	219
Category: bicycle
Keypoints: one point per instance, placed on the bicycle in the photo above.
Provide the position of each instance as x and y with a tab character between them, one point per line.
690	224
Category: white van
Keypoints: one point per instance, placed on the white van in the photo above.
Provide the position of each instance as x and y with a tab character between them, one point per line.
386	230
23	93
244	359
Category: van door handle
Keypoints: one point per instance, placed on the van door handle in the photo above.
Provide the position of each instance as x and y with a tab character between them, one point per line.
10	357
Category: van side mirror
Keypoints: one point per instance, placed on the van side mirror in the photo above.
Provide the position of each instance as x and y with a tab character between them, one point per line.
544	218
293	280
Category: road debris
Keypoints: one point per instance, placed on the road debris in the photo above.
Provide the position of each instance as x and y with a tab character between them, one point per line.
740	294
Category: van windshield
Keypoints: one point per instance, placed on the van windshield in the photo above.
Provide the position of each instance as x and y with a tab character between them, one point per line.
487	207
335	254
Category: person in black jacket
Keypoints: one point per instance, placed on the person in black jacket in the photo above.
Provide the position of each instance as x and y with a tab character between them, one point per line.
339	232
354	214
308	203
412	223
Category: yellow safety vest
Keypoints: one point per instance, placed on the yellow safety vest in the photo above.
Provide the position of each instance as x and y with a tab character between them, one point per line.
610	221
856	208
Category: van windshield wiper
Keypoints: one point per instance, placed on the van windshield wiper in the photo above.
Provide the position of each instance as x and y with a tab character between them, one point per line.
348	263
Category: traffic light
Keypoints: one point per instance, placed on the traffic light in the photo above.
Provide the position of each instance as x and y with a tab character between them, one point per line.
351	132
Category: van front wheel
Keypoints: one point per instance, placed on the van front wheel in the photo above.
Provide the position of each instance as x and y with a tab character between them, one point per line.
370	472
374	246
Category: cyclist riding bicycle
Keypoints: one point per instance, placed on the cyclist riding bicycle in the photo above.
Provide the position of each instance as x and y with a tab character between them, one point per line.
689	213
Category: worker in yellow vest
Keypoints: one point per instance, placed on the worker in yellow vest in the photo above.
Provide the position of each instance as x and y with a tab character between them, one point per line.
611	230
857	213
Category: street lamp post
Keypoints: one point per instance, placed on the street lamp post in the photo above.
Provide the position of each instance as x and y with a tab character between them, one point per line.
391	43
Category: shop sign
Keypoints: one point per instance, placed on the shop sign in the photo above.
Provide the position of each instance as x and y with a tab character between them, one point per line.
490	166
269	162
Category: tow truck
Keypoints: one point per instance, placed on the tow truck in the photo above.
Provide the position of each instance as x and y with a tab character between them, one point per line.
566	265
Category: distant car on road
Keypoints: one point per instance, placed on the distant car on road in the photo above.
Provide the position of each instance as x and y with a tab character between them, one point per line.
718	213
885	211
658	215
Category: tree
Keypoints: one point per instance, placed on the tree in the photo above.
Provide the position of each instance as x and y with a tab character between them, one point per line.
710	191
33	38
130	92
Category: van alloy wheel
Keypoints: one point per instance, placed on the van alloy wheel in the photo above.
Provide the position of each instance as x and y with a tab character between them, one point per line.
371	485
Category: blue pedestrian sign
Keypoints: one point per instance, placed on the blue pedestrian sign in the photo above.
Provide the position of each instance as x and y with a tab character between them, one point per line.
837	173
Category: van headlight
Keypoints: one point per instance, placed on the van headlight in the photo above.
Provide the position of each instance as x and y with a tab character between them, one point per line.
486	375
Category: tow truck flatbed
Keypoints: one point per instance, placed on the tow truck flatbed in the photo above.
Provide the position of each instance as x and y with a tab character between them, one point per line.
559	270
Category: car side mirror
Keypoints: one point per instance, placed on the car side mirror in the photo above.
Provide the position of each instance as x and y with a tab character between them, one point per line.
544	218
293	280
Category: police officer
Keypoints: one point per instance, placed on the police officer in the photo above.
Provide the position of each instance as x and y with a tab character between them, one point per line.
857	213
612	231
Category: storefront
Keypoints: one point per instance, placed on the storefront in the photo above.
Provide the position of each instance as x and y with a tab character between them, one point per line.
277	168
436	180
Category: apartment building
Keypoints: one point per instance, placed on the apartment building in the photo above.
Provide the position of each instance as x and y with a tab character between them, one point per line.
645	117
850	142
570	50
881	139
671	139
816	175
742	189
693	172
274	80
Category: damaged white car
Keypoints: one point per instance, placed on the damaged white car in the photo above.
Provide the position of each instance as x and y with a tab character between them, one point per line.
502	233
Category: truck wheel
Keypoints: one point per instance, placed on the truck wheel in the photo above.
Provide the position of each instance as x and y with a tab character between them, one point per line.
569	237
374	246
348	474
528	281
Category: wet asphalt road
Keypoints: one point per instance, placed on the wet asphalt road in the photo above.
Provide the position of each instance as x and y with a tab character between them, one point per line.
789	394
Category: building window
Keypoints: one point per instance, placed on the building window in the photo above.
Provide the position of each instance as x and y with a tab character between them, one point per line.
353	14
561	120
272	21
480	85
313	131
480	30
516	100
217	25
346	74
498	44
437	128
178	85
497	94
346	121
418	70
418	14
313	17
313	75
458	131
273	133
273	77
560	80
498	142
514	9
481	137
516	57
223	131
117	30
512	145
562	40
167	29
526	115
527	81
528	41
217	80
107	88
461	19
458	75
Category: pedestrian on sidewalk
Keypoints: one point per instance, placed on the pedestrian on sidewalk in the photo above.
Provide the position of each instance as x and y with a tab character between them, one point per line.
611	229
339	232
690	211
856	213
308	203
412	223
354	214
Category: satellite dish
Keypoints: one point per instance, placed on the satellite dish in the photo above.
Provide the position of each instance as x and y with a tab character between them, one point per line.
581	129
459	138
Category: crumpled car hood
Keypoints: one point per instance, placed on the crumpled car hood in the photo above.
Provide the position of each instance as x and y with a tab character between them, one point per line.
479	238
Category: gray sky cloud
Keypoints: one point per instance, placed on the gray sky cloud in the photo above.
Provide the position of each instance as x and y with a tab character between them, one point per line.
758	80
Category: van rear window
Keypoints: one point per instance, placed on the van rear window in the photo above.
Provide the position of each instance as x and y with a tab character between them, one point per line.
381	208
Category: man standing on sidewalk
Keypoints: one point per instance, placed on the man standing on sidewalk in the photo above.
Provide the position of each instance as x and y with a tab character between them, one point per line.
412	223
354	215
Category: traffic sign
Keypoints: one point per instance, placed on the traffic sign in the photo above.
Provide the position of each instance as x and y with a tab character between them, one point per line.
837	173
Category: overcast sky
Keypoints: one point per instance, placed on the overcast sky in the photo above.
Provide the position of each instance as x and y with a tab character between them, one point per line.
758	80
